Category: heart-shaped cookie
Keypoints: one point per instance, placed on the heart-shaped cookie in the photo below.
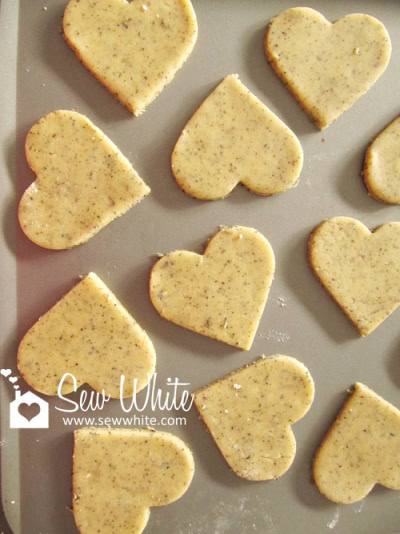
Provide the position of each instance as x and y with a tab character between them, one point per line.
382	165
234	138
83	181
90	335
327	66
249	413
220	294
359	268
361	449
118	474
133	48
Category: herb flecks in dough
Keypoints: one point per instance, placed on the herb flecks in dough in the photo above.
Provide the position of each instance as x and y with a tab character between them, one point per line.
234	138
361	449
327	66
119	474
89	334
359	268
250	413
83	182
221	293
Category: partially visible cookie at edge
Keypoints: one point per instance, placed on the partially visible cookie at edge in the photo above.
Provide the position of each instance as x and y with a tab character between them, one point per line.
361	449
381	171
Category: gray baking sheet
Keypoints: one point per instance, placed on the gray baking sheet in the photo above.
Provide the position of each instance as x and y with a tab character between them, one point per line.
40	74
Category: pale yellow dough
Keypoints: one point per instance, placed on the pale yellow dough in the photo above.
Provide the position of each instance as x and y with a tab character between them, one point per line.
89	334
221	293
83	181
118	474
133	48
233	137
359	268
361	449
327	66
382	165
250	413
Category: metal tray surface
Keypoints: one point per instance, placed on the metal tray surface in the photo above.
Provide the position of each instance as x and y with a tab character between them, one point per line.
41	74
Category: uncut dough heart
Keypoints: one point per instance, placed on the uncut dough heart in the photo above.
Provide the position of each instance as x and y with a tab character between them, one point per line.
234	138
360	269
89	334
83	182
249	413
118	474
361	449
382	165
133	48
220	294
327	67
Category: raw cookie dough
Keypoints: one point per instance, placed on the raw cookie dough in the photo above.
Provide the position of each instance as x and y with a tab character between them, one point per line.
83	181
133	48
118	474
361	449
327	66
89	334
221	293
250	413
359	268
234	138
382	165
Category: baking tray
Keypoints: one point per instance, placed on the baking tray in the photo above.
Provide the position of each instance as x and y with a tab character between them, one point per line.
40	74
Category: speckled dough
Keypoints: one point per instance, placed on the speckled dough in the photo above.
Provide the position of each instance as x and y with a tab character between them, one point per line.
234	138
83	181
133	48
118	474
89	334
360	269
250	413
361	449
327	66
382	165
220	294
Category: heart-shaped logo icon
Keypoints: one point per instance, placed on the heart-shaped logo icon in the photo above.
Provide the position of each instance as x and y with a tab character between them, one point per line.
359	268
220	294
5	372
147	468
13	379
234	138
29	411
83	181
382	165
327	66
91	336
133	48
361	449
249	413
